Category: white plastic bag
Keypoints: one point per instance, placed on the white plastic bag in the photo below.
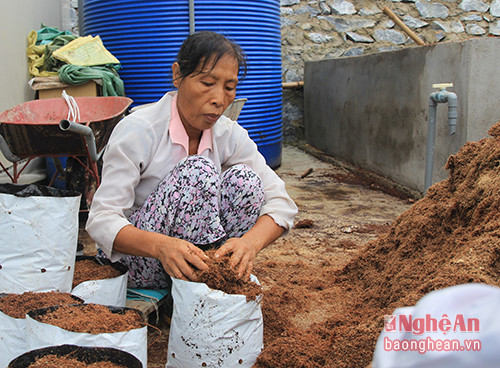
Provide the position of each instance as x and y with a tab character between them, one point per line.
38	238
40	335
210	328
111	291
13	338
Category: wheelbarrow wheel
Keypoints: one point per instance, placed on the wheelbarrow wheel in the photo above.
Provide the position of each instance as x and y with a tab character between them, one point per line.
80	179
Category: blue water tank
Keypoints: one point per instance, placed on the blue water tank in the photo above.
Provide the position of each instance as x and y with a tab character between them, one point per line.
146	35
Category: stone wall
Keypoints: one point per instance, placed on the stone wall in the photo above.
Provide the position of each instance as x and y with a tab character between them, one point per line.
314	30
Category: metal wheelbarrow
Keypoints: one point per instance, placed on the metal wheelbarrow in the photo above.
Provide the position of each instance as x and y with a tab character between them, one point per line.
40	128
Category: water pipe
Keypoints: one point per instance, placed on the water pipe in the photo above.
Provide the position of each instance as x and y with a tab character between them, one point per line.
84	130
441	96
191	17
287	85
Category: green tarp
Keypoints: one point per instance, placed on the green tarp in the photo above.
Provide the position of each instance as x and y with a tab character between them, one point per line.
112	85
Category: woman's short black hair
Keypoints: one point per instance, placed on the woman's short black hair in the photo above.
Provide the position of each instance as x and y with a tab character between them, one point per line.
203	47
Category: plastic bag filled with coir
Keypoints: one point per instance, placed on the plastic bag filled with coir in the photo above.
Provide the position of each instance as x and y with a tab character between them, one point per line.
212	328
98	280
89	325
13	342
13	309
88	355
38	238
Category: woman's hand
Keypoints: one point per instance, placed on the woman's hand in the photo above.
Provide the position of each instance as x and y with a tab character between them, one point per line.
243	254
177	256
244	250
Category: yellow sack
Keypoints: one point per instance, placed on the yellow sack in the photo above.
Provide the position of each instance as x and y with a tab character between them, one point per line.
36	58
85	51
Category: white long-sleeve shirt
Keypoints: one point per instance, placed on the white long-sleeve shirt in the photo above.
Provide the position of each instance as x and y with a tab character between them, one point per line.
140	153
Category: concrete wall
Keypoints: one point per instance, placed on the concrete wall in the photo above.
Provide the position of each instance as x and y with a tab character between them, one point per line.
17	19
372	111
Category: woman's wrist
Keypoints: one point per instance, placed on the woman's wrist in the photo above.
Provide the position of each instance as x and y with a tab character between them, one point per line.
133	241
264	232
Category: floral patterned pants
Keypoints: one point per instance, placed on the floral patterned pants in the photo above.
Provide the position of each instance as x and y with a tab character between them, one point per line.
198	204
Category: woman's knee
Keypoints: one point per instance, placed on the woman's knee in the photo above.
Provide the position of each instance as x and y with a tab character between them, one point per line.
242	178
196	171
198	163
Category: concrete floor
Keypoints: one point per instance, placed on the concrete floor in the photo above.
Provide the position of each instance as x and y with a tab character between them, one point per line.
330	192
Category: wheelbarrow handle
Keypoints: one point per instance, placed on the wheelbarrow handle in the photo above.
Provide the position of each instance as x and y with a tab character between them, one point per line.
84	130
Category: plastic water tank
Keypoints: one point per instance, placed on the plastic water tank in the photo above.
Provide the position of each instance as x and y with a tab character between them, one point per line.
146	35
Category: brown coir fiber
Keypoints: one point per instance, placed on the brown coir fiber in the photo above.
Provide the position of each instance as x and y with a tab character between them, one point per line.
91	318
55	361
87	269
17	305
220	276
449	237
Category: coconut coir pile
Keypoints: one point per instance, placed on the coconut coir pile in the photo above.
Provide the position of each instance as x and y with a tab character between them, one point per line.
220	276
56	361
17	305
92	318
88	269
449	237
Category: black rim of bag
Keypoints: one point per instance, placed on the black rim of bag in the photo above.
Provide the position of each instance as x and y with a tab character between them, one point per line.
36	190
88	355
